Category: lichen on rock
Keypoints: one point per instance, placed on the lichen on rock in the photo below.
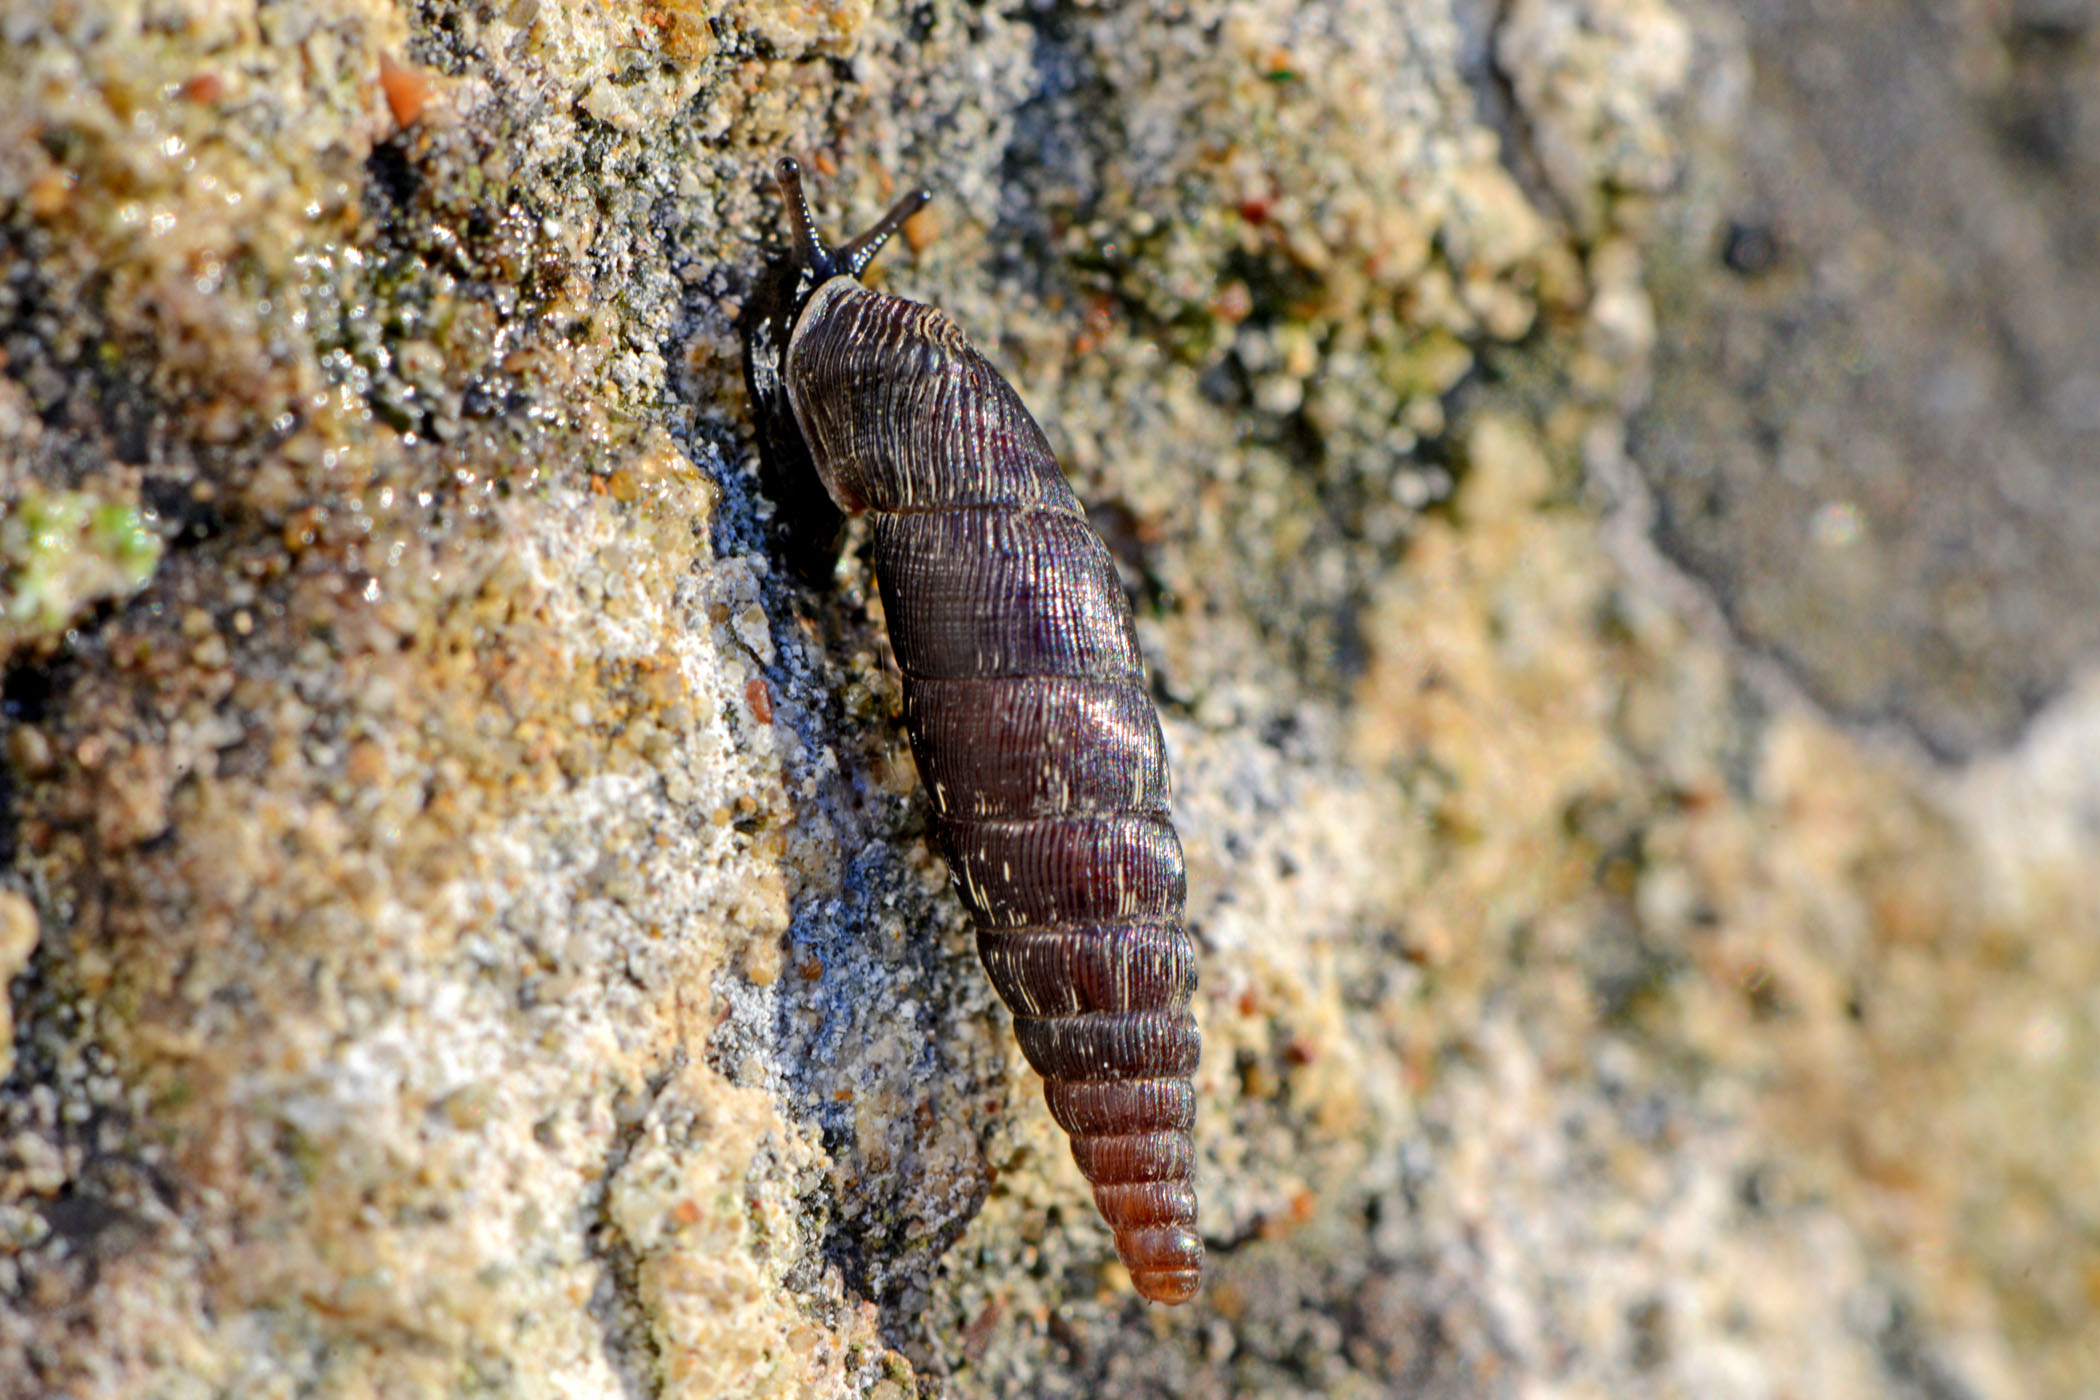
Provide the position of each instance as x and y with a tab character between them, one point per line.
65	551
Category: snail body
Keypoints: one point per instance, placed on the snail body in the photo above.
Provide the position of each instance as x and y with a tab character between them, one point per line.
1029	714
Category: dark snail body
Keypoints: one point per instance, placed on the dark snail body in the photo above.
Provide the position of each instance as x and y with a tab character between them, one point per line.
1029	715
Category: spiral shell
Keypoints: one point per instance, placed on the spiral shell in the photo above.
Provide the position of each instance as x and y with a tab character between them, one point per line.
1029	714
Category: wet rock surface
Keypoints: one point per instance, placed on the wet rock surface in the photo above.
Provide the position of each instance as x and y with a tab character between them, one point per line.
469	917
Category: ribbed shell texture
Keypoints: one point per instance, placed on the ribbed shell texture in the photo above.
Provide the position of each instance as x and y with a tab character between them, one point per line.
1033	728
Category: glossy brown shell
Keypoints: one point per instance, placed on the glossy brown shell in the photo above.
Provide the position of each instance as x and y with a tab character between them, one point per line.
1031	720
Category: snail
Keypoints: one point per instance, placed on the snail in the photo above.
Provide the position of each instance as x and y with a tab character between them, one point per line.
1029	712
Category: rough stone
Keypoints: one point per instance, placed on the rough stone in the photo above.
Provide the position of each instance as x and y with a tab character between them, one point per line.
469	920
1876	419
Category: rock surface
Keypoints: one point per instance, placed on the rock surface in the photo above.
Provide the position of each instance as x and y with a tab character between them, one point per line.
469	918
1877	434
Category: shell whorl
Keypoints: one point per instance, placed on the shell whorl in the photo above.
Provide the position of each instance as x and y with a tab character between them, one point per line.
1031	721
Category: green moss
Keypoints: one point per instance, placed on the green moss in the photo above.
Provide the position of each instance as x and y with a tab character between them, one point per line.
1426	365
61	552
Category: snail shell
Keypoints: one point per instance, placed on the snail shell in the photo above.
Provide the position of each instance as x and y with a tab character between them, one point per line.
1029	714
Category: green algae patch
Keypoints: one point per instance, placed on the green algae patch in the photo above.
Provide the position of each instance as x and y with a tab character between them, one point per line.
62	552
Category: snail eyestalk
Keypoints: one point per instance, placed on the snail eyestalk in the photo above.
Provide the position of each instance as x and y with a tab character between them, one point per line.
810	250
822	260
862	250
